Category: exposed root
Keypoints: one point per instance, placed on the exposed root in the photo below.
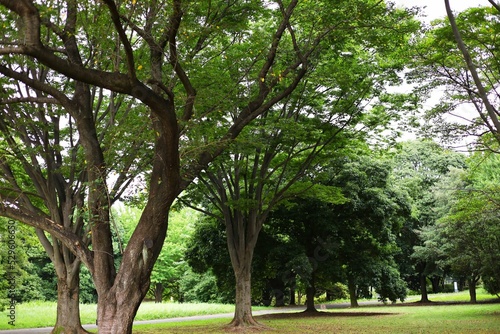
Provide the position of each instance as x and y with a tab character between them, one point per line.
248	325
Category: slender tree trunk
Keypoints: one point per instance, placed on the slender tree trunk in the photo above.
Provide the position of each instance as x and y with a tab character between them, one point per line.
159	288
292	295
352	293
279	292
68	306
472	289
423	289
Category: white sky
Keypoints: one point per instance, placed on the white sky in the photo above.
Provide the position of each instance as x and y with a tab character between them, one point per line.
435	8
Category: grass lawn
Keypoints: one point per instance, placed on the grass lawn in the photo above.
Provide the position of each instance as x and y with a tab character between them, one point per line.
398	318
479	318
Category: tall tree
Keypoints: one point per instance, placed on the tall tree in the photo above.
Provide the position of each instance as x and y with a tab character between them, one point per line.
266	164
47	169
171	57
416	169
368	224
468	233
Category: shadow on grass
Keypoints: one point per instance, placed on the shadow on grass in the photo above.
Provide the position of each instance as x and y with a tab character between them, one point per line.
440	303
298	315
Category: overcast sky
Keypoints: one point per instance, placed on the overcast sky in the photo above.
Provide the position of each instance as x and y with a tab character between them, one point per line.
435	8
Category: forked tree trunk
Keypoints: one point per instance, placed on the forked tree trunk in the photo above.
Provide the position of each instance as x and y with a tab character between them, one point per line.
116	310
68	306
472	289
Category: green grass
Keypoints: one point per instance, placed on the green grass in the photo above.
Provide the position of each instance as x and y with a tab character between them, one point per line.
479	318
43	314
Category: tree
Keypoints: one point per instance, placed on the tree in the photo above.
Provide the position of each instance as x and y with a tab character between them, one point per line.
173	68
458	56
368	224
46	175
267	162
417	167
469	231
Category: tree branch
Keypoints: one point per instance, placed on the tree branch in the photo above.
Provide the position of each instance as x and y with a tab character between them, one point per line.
492	113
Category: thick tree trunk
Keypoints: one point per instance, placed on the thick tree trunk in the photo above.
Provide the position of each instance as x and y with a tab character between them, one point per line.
68	306
310	293
243	304
117	309
423	289
352	293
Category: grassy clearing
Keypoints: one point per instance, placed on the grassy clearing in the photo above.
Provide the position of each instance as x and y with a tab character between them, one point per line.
43	314
479	318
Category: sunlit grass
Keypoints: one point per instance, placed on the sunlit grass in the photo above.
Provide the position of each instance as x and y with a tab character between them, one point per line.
479	318
43	314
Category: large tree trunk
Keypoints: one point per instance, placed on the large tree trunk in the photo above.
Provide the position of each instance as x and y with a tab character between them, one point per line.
310	294
68	306
352	293
117	308
423	289
243	304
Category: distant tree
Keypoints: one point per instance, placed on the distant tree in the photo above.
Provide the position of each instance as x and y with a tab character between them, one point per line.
368	224
417	168
469	233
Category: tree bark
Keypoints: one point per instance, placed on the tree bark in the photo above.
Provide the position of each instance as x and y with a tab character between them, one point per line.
243	304
352	293
435	280
472	289
68	306
159	288
310	293
423	289
116	309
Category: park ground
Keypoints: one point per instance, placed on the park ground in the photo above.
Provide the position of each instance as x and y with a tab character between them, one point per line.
448	313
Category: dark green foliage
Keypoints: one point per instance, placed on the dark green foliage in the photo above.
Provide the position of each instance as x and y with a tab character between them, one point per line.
202	288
